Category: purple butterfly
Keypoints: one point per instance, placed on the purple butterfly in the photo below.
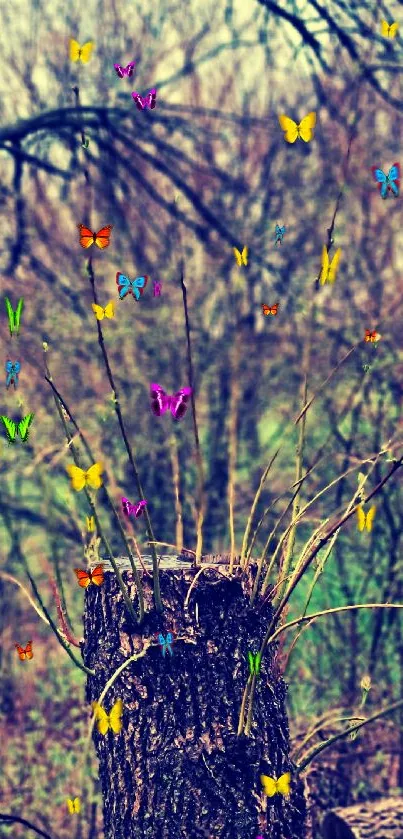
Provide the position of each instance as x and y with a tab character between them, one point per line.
130	509
143	102
125	71
157	288
160	401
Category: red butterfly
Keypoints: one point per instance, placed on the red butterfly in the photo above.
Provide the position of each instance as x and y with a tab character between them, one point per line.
100	239
24	652
85	578
270	310
371	336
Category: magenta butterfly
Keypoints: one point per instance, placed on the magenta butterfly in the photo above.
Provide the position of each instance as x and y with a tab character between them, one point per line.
178	403
125	71
130	509
143	102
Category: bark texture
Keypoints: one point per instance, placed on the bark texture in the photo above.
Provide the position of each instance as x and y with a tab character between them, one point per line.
177	768
374	820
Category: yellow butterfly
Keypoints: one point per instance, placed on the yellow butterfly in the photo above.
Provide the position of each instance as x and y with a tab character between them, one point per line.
101	313
78	53
303	129
241	258
280	785
365	519
90	522
389	30
112	720
329	269
73	805
80	478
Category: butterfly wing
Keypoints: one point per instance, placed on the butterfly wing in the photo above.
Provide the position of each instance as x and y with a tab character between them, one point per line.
93	475
169	640
11	428
99	312
151	99
129	69
77	476
360	519
265	309
77	805
325	266
102	238
238	257
138	508
74	50
394	178
110	309
179	402
97	575
159	400
283	783
70	805
18	313
139	101
119	70
83	578
306	126
101	717
393	30
138	286
334	266
380	178
127	506
370	517
24	426
115	716
86	236
289	127
86	51
269	785
244	255
124	285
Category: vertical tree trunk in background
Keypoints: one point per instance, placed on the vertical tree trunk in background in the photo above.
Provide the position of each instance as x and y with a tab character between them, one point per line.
177	768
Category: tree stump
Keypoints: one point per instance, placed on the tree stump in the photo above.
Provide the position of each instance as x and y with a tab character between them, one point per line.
177	768
373	820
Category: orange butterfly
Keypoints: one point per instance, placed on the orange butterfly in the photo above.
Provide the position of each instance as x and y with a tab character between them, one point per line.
270	310
371	336
88	238
85	578
24	652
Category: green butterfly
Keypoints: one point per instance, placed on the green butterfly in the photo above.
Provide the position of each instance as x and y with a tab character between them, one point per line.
22	427
14	316
254	663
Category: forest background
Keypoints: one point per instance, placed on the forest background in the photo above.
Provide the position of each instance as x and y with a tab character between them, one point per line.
206	170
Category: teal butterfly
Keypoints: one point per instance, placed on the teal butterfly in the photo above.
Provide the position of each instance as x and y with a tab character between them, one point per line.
14	316
254	663
165	643
22	427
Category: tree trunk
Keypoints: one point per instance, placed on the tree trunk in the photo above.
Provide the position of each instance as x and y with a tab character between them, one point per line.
374	820
178	769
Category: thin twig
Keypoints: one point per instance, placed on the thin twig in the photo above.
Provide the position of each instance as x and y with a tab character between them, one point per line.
199	461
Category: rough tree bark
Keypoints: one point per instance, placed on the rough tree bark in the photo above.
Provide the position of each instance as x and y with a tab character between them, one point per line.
373	820
177	768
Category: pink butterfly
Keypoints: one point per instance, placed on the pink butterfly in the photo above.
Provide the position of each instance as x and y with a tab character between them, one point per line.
143	102
160	401
130	509
125	71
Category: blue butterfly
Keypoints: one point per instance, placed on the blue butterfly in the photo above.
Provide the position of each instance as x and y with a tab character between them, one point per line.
128	286
279	233
165	643
389	182
12	371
